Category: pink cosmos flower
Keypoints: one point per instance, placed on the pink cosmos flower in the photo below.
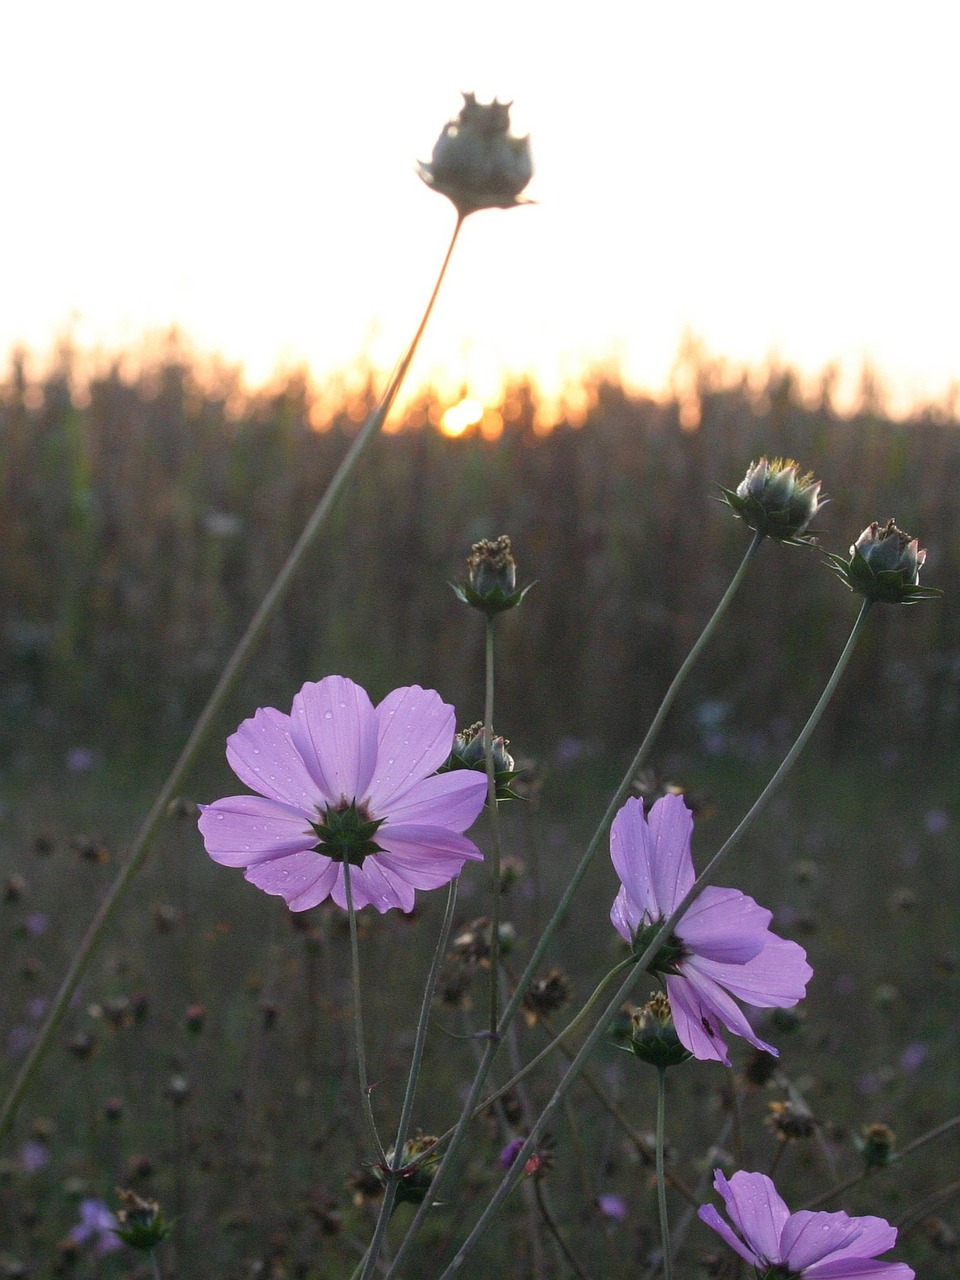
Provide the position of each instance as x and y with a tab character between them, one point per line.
341	779
721	946
807	1245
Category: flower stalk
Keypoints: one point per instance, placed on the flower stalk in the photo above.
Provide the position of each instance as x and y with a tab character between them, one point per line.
207	719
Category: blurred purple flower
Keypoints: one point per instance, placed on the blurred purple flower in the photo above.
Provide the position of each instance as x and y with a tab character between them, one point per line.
936	821
612	1206
721	946
510	1153
80	760
914	1056
33	1156
805	1244
37	923
96	1228
340	779
37	1008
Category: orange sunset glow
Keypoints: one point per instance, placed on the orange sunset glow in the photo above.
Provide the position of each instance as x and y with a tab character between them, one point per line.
776	181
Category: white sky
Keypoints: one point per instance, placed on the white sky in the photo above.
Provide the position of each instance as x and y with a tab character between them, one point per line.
774	177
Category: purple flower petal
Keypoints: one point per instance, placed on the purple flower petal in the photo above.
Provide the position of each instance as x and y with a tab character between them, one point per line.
262	754
756	1209
241	830
697	1031
776	978
630	852
671	828
334	728
810	1237
715	1003
373	885
626	915
301	879
415	735
708	1214
859	1269
725	925
876	1236
409	843
451	799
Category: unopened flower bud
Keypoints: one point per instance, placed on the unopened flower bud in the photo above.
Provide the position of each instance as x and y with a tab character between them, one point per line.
414	1182
468	753
790	1121
776	500
491	577
141	1222
476	162
884	566
653	1036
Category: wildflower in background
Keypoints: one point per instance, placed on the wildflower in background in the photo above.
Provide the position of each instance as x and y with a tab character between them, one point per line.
476	162
803	1245
612	1206
96	1228
140	1222
884	566
341	780
776	500
721	946
491	577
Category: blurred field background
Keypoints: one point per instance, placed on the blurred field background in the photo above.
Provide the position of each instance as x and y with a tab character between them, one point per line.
207	1058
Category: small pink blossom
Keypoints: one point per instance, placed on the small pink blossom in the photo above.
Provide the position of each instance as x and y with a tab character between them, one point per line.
721	947
339	778
805	1245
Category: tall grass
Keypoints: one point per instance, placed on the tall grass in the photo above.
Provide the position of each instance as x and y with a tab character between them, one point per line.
143	515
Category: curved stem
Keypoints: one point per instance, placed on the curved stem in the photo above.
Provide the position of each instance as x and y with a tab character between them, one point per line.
647	956
208	716
358	1017
661	1178
634	767
930	1136
582	868
496	846
406	1111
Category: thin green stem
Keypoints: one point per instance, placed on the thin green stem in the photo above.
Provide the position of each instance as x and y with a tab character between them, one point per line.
618	797
643	961
556	1043
231	673
496	846
406	1111
358	1016
623	789
930	1136
661	1177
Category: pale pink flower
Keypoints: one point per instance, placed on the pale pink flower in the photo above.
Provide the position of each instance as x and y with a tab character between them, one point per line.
96	1228
340	778
721	947
805	1245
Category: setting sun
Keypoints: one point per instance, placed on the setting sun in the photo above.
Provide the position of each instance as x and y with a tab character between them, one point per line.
466	413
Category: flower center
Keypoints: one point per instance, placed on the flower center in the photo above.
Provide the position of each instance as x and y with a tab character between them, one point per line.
777	1273
669	953
345	832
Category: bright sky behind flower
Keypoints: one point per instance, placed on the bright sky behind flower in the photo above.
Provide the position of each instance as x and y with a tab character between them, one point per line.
774	178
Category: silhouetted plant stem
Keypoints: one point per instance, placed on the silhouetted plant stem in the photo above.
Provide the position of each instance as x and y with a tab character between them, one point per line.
358	1016
495	842
931	1135
661	1179
600	1029
618	797
208	716
406	1111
